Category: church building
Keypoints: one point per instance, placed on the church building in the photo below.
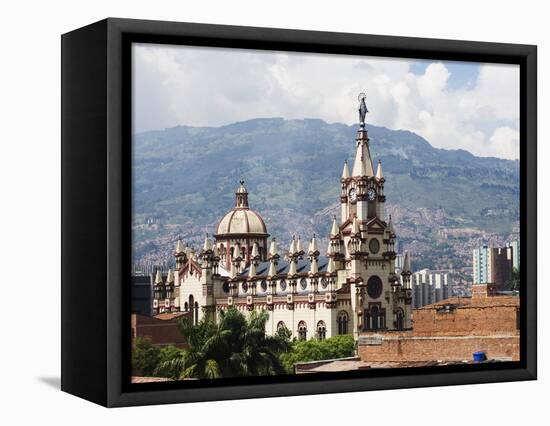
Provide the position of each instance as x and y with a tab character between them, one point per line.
351	288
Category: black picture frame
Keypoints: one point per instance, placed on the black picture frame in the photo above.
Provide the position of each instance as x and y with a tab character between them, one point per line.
96	142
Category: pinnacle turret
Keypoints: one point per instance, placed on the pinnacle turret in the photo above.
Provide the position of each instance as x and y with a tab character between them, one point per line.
345	171
334	230
379	173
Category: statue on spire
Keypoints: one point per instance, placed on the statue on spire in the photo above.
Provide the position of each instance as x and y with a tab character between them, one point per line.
362	108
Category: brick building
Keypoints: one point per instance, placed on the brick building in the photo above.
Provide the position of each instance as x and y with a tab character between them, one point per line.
452	330
160	330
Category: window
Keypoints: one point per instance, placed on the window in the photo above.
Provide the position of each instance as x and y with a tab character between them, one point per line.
321	330
374	246
225	287
245	287
196	312
192	308
374	287
399	319
186	306
283	285
280	326
302	330
324	282
343	320
303	283
374	318
263	285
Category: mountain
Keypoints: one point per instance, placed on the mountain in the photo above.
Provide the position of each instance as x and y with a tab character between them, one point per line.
185	177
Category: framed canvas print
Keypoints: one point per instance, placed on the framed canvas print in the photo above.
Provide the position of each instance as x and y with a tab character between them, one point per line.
254	212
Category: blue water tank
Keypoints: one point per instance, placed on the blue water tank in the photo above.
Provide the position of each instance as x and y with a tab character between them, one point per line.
479	356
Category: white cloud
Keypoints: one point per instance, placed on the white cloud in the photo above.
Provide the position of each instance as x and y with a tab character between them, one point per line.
204	86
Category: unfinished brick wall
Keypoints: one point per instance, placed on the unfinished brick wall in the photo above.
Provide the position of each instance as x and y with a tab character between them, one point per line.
158	332
444	348
450	330
472	320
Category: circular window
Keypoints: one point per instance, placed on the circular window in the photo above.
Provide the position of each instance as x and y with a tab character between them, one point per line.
303	284
264	285
283	285
374	246
245	287
225	287
324	282
374	287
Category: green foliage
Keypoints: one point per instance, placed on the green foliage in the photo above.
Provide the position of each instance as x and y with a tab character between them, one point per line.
315	350
145	357
516	279
234	346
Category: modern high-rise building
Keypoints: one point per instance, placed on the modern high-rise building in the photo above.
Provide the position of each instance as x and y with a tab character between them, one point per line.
515	253
493	265
430	287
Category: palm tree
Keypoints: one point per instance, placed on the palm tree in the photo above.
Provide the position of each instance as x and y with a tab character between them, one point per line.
232	347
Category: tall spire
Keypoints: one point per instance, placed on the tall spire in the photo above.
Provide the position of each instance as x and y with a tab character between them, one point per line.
314	266
255	252
362	164
272	270
273	249
207	244
299	246
292	248
335	230
241	196
331	267
158	278
355	226
170	277
345	171
407	263
379	173
179	247
252	270
390	226
313	250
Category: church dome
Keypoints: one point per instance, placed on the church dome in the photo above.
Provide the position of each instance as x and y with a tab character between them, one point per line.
241	220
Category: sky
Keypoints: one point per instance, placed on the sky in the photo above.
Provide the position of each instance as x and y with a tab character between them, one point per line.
453	105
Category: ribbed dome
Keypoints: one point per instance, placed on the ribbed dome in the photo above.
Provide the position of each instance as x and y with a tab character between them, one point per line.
241	221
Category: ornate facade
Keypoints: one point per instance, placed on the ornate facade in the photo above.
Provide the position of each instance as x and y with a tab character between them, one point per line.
350	289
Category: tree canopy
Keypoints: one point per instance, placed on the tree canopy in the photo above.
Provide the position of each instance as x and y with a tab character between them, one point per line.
235	346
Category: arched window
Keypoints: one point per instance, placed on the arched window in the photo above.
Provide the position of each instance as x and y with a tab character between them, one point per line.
374	318
321	330
283	285
374	313
196	312
192	307
343	320
245	287
324	282
303	283
186	306
399	319
263	285
302	330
